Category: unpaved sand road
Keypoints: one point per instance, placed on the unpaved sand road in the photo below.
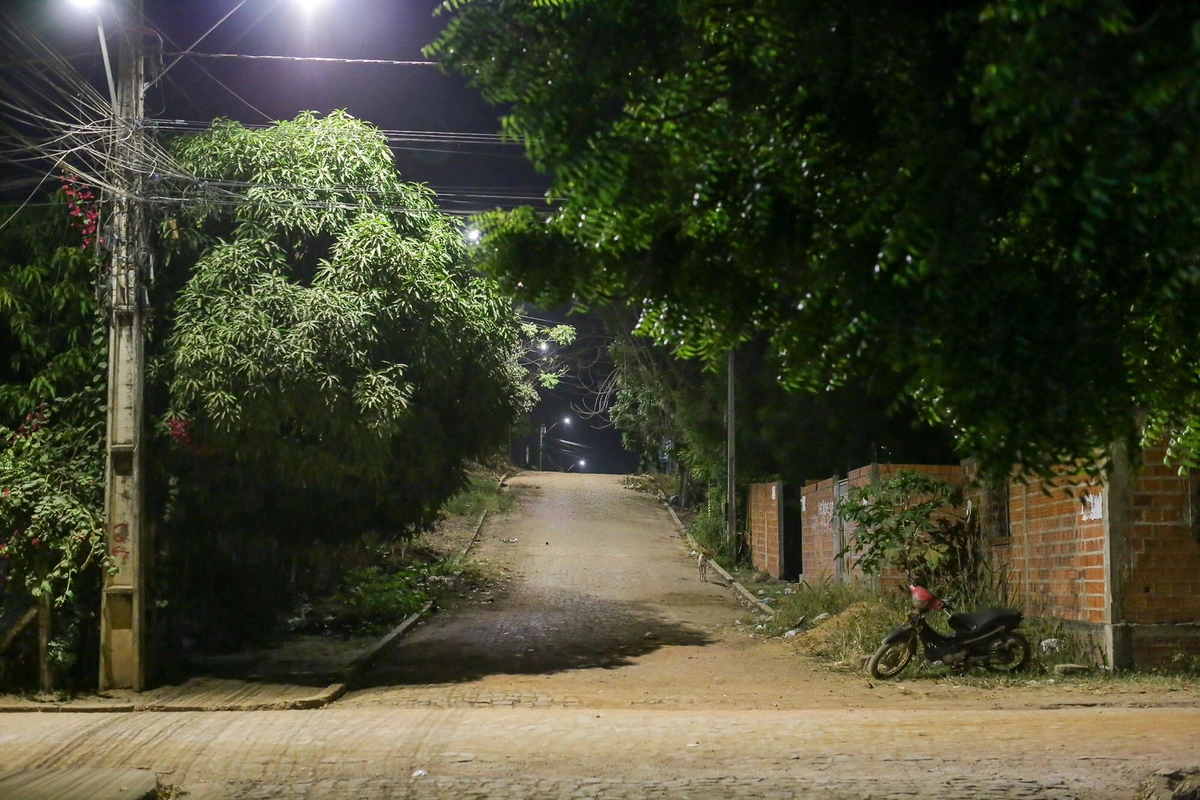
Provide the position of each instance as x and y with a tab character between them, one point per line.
554	689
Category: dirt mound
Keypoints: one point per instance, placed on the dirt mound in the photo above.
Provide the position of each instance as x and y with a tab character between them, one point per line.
839	634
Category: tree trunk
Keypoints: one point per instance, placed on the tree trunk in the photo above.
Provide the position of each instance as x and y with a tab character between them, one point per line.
45	675
15	631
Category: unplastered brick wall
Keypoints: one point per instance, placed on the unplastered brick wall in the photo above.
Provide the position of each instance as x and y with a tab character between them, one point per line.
1159	588
1055	553
821	536
765	520
817	505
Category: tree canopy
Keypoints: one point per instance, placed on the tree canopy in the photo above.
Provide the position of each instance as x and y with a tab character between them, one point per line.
993	201
329	333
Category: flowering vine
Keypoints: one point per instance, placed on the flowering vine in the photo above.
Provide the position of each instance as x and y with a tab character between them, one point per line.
84	208
51	499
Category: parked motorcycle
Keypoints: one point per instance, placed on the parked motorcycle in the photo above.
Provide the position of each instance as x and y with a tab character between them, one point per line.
987	638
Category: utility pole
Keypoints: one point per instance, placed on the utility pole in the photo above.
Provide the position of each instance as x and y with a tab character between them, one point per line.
541	441
730	456
122	608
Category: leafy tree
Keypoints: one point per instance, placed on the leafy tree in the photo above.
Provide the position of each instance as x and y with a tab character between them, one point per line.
329	332
52	380
329	362
51	334
994	201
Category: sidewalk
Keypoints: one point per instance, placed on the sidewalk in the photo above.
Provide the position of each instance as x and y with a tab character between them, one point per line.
301	673
304	672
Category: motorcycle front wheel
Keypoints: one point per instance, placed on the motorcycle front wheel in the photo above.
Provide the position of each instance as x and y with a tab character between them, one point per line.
890	659
1009	654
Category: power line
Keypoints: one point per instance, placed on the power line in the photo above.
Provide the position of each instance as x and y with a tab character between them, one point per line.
323	59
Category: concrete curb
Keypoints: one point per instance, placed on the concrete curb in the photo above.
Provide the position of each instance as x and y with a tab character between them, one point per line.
322	698
390	638
398	632
744	594
475	536
66	708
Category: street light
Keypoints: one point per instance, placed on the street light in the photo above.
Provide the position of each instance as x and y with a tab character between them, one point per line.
581	463
542	437
94	7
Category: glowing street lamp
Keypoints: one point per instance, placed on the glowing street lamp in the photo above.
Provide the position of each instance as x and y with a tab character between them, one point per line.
94	7
542	437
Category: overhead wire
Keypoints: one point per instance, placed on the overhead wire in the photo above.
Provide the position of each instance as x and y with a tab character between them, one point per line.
325	59
49	112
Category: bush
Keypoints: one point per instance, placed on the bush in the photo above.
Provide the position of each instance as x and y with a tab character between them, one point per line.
910	523
707	528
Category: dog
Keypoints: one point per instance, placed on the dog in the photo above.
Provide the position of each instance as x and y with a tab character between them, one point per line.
702	560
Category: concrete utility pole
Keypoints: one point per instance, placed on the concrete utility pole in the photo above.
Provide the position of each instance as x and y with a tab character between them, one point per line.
730	456
122	612
541	445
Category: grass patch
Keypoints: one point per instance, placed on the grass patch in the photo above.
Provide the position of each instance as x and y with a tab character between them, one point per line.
376	598
480	494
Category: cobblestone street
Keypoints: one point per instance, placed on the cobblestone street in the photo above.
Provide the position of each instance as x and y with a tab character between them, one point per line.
603	668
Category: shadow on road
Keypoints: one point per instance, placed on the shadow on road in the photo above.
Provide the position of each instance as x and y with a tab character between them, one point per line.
573	632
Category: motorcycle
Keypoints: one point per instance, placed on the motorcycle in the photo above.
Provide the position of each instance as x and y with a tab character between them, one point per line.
988	638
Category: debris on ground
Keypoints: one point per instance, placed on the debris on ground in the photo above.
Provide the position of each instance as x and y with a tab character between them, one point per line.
1070	669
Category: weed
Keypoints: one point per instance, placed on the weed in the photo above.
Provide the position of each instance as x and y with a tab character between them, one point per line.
479	495
376	599
1186	664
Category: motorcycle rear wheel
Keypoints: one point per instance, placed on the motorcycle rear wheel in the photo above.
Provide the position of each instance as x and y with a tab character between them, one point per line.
1010	654
890	659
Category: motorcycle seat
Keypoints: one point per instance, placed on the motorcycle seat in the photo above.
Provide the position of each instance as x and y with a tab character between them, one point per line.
986	619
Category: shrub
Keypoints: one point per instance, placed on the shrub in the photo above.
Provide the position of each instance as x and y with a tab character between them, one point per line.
708	530
911	523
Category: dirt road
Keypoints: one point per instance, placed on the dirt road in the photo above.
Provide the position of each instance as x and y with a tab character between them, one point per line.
605	668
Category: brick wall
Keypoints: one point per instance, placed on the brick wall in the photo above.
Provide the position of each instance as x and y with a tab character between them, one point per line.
1055	553
817	530
1120	561
764	513
823	536
1158	575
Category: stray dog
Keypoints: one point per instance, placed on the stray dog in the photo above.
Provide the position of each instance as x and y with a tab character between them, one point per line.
702	559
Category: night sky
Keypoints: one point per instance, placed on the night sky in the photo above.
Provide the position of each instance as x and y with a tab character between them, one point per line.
469	176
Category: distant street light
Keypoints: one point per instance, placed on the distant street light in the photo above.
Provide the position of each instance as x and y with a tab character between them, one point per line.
581	463
473	235
542	437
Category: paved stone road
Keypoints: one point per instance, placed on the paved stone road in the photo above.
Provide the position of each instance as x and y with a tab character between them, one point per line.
607	670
